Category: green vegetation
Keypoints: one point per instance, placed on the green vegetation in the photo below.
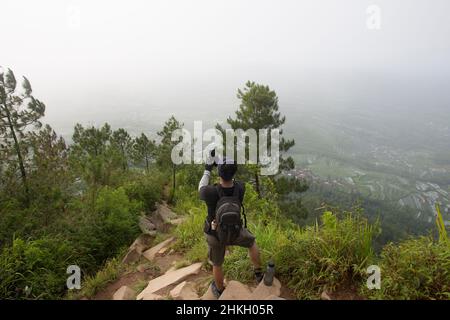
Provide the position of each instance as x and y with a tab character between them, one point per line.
80	205
334	253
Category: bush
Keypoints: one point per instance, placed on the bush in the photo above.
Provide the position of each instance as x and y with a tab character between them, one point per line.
414	269
35	269
146	189
114	224
328	255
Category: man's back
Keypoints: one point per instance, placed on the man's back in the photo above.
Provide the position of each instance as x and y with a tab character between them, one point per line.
210	195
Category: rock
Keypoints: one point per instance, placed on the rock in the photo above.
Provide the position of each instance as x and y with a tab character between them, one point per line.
124	293
172	268
184	291
325	296
170	278
162	251
273	297
208	295
144	241
151	253
142	268
262	291
146	226
151	296
177	221
236	291
132	256
137	247
165	213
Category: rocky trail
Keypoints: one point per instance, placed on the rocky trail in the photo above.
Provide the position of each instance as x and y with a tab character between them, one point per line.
155	271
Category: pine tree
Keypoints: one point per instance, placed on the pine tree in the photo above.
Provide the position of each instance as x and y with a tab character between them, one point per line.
259	110
144	151
166	146
19	110
123	143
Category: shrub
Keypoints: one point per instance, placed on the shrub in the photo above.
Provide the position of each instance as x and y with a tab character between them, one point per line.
145	188
35	269
331	254
414	269
114	224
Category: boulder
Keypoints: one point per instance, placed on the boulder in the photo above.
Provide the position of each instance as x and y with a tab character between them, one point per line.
132	256
151	296
236	291
137	247
170	278
325	296
146	226
172	268
262	291
184	291
124	293
165	213
143	242
163	251
151	253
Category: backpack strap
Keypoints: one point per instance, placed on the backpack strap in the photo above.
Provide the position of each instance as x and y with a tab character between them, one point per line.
219	190
245	216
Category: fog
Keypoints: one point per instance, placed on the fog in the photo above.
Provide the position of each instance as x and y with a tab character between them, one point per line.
133	63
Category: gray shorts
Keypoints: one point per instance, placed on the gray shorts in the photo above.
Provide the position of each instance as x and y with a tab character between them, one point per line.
216	250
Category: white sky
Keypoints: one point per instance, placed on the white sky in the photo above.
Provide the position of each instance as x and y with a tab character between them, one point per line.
189	57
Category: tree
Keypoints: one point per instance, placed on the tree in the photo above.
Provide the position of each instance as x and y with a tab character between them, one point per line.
259	110
18	111
50	177
166	146
91	153
123	143
144	150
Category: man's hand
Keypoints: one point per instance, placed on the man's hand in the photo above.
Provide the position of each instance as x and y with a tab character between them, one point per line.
211	162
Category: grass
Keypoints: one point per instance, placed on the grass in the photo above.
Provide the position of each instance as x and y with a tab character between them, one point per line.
331	253
91	285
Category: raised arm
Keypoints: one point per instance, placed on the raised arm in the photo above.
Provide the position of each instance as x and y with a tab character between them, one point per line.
204	181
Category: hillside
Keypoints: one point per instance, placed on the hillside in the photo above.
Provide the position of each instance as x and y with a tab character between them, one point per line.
84	207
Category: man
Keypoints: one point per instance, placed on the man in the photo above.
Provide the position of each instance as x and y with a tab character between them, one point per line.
211	194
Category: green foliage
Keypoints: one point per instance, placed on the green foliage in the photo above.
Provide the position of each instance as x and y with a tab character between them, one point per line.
20	112
93	284
122	143
414	269
259	109
329	254
190	232
145	188
114	224
35	269
144	151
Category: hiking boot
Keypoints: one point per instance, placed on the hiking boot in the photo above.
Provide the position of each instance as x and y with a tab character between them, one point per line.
216	292
259	275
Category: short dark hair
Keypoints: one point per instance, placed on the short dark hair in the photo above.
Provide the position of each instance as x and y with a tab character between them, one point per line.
227	169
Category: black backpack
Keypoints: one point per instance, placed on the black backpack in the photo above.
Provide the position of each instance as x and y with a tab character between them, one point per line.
228	216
